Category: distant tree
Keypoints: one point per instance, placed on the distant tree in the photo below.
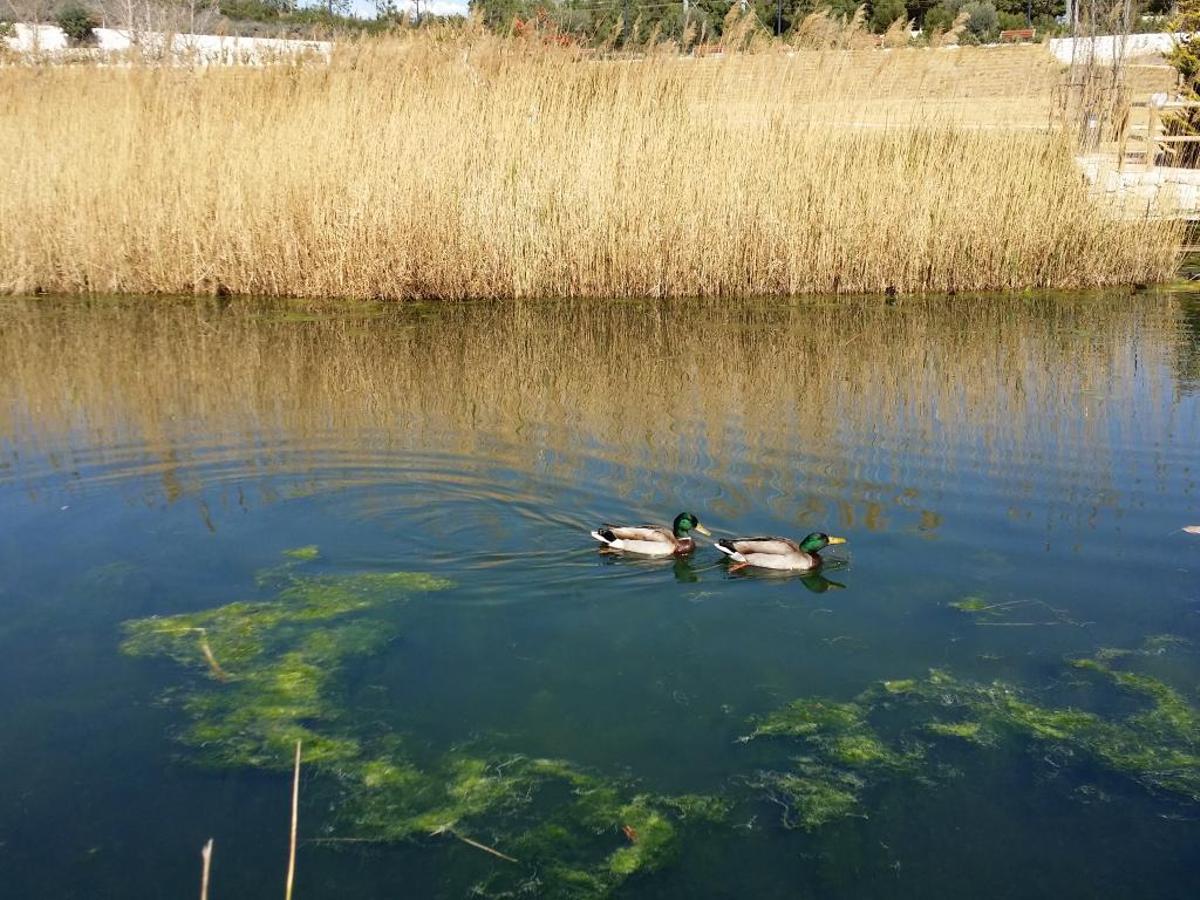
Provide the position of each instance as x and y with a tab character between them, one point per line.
918	8
983	19
389	10
1185	56
885	12
142	18
983	22
844	9
256	10
793	12
498	15
33	12
77	23
710	14
1008	21
200	14
938	18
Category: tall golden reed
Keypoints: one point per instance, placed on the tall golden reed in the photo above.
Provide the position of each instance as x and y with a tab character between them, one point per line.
454	165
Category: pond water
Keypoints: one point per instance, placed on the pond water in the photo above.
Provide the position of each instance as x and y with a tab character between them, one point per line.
403	496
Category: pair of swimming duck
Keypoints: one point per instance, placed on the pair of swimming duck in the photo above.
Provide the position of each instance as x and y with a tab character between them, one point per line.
782	554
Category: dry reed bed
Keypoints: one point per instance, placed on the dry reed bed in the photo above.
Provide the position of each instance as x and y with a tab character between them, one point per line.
452	167
160	389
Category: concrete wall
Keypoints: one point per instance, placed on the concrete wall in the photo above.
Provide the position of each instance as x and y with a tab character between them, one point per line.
203	48
1137	191
1109	47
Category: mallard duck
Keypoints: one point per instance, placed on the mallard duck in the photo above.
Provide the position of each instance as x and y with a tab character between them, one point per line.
652	540
776	552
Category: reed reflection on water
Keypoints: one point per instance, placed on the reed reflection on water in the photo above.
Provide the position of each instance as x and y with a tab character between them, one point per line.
755	396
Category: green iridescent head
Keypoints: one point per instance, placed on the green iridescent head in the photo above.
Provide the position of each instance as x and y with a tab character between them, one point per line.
818	540
685	523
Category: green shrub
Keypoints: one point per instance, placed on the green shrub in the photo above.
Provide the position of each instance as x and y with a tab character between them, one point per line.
885	12
939	18
1011	21
983	22
1047	26
77	23
1041	8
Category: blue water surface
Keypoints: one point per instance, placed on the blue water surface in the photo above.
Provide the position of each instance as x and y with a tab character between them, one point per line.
1039	453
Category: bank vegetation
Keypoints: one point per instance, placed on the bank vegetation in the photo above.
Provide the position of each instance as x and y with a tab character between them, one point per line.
453	163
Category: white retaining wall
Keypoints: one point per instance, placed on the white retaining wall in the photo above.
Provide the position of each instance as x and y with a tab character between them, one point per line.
201	48
1109	47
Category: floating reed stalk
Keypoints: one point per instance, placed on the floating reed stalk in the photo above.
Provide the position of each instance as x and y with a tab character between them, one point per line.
484	847
206	856
456	164
218	673
291	872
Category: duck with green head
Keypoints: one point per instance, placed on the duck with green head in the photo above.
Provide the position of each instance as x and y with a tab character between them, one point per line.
652	540
782	554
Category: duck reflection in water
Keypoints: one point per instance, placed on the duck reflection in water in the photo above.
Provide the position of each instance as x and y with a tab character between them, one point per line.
687	570
817	582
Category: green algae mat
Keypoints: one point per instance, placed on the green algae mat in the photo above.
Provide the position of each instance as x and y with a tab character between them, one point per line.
263	676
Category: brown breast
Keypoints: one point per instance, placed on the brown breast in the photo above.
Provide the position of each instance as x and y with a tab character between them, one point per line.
684	546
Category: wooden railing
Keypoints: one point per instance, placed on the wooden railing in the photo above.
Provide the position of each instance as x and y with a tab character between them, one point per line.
1150	140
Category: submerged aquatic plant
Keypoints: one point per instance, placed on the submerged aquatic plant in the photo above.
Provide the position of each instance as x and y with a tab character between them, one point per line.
989	613
579	834
267	676
277	661
1158	746
970	604
844	753
967	731
307	552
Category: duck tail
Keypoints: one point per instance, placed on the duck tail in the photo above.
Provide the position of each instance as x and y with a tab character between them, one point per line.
726	547
604	535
